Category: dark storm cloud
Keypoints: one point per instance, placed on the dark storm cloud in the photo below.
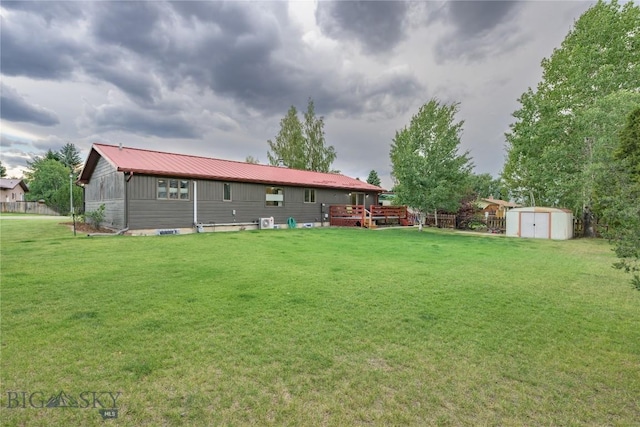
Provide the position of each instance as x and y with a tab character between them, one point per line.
381	98
245	52
377	25
132	25
229	48
474	17
15	108
142	122
14	158
8	142
238	52
28	49
138	84
480	29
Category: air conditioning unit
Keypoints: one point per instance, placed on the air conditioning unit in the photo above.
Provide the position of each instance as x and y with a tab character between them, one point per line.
266	223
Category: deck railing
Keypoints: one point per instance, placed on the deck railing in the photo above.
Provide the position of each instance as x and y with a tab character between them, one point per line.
359	216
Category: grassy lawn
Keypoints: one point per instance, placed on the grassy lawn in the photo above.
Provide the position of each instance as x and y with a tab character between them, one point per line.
336	327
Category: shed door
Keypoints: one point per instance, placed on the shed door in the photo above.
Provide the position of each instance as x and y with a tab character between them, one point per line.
535	224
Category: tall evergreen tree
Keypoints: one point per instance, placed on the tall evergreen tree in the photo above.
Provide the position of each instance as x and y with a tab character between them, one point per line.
70	156
373	178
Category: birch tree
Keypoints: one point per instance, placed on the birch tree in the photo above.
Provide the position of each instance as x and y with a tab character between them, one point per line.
430	172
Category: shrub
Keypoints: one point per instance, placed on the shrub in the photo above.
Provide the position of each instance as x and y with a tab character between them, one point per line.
96	217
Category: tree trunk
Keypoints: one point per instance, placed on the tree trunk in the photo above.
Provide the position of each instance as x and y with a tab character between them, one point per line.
435	212
588	223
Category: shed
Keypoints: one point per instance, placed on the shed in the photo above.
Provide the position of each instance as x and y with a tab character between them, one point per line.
540	223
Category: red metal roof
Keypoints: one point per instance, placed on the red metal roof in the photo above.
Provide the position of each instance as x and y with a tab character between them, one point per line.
150	162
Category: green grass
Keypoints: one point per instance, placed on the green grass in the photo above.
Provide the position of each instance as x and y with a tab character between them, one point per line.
336	327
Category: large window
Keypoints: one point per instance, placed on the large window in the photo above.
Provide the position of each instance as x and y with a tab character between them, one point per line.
173	189
309	195
274	196
226	196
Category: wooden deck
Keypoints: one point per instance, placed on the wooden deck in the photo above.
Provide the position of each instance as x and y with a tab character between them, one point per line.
359	216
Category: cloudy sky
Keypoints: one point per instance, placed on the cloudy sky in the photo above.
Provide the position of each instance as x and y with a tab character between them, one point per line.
215	78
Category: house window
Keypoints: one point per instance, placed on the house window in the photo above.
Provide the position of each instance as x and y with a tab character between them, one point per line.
309	195
274	196
173	189
184	189
226	196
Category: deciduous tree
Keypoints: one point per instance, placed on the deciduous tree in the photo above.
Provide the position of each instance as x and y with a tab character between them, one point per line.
288	147
430	172
600	127
45	178
547	152
621	203
50	180
302	145
319	155
484	186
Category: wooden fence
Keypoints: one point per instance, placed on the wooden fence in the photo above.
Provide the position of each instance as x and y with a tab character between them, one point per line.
496	225
357	215
35	208
444	220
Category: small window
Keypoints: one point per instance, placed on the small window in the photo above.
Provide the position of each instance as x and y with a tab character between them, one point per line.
173	189
184	189
309	195
226	192
274	196
162	189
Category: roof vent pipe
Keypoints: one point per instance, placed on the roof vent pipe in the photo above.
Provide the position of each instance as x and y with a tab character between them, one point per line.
120	146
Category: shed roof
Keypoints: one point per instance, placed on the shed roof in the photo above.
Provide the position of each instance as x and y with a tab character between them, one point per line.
149	162
9	184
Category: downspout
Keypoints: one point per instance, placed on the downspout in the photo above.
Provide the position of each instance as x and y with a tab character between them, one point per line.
126	199
195	203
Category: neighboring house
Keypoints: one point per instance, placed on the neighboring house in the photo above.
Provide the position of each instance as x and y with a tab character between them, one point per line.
12	190
152	190
495	207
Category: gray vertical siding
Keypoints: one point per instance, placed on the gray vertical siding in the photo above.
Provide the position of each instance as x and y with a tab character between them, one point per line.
106	187
247	200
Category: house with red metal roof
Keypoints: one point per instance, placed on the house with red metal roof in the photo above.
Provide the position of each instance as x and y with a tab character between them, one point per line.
163	192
